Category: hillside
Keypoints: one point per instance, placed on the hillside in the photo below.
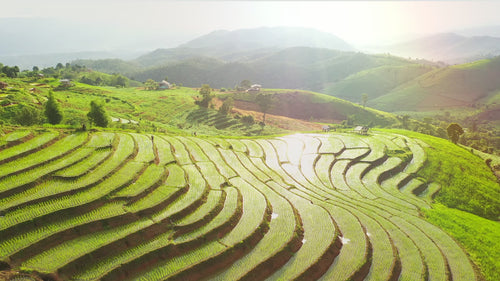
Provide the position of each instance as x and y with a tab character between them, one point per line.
173	109
375	82
298	68
448	47
312	106
133	206
466	85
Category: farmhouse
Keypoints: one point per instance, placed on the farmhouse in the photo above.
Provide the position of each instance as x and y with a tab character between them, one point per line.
65	82
254	88
362	130
163	85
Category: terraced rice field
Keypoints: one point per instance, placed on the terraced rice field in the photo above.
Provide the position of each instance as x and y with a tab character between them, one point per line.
123	206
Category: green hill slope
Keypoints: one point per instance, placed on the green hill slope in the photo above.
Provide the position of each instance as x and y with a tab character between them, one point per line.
464	85
173	109
375	82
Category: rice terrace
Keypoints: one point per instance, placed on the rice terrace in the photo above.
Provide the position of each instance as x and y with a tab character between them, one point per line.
148	140
130	206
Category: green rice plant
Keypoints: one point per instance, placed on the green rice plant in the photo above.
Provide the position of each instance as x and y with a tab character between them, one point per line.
55	151
418	159
15	136
354	182
229	210
85	166
214	155
181	155
431	190
30	176
30	236
311	143
337	174
353	153
391	184
272	161
194	150
323	168
477	235
125	175
458	263
377	150
396	198
295	149
28	146
410	187
211	174
101	140
198	188
307	168
412	263
384	253
164	151
176	176
354	245
254	150
246	162
251	219
330	144
237	145
387	140
151	176
433	258
167	268
281	233
352	140
100	268
67	251
280	148
255	207
145	146
214	199
159	195
319	235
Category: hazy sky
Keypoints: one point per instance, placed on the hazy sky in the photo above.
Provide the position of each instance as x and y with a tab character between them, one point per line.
358	22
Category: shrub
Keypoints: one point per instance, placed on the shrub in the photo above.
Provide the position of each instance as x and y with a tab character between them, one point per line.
247	120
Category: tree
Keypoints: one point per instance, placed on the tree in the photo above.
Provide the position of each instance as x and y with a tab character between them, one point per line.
119	80
454	131
35	68
151	84
245	84
265	102
206	94
59	66
53	110
11	72
364	99
27	115
226	106
97	114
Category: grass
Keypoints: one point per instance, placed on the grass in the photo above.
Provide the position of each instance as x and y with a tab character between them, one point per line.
477	235
466	182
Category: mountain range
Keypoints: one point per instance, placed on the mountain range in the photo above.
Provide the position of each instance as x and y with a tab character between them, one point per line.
448	47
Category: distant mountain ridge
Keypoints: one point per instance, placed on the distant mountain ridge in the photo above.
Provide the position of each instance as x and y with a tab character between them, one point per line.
266	37
448	47
245	44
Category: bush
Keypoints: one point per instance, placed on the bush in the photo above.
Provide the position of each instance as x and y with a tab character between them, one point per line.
248	120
